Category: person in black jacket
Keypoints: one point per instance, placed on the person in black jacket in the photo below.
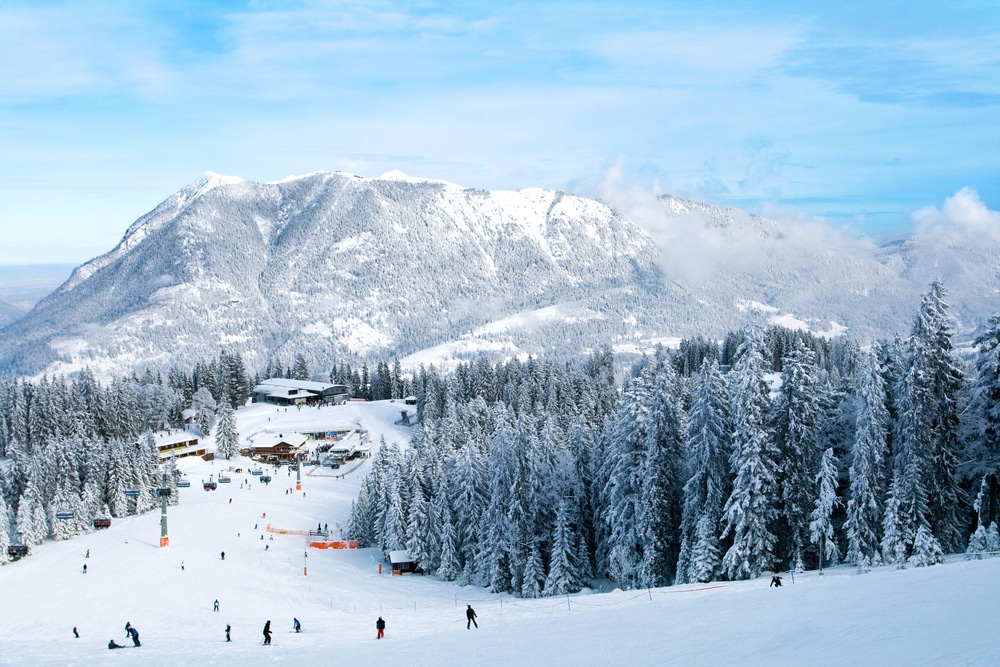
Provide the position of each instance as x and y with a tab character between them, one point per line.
112	644
228	628
267	632
380	626
470	615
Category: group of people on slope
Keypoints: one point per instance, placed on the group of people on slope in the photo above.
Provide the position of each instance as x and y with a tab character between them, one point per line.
130	632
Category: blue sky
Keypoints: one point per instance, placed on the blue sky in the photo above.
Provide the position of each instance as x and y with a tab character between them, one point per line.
860	113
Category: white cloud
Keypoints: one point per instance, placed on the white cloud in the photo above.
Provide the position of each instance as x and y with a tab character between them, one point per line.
963	212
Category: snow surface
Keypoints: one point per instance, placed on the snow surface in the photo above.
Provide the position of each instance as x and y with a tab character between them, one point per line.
943	615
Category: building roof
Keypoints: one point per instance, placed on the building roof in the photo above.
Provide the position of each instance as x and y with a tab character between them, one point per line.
293	438
164	439
307	385
401	556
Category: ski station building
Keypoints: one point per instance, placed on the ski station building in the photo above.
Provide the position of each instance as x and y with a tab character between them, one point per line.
283	391
275	447
177	445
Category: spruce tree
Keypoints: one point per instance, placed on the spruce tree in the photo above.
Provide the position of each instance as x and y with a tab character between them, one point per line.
867	473
227	438
821	525
751	510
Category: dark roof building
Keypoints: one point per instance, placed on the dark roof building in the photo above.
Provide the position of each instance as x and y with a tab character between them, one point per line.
283	391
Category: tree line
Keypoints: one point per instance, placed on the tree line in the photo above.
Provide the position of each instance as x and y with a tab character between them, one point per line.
771	450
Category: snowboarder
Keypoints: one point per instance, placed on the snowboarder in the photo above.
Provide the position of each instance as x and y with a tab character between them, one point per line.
267	632
380	626
227	633
296	625
775	581
470	615
88	553
216	606
85	568
112	644
223	555
135	637
75	633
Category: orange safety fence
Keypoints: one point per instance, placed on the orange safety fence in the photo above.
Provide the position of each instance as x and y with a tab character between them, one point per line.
282	531
337	544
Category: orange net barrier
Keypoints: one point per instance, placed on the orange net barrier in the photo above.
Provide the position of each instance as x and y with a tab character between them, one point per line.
338	544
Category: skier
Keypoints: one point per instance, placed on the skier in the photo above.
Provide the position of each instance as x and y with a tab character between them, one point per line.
380	626
227	633
182	566
112	644
75	633
85	568
216	606
88	553
135	637
470	615
223	555
296	625
267	633
775	581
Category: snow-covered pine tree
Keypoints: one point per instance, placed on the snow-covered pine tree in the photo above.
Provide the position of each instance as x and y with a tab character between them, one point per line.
467	495
707	487
977	543
622	502
498	539
32	524
393	536
205	404
925	438
795	424
448	567
751	511
4	529
983	413
662	491
867	472
563	574
821	524
227	437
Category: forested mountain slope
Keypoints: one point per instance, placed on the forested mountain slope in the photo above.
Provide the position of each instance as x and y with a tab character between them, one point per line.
335	266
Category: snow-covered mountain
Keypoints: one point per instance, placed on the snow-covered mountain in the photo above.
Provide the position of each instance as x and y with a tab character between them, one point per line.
337	266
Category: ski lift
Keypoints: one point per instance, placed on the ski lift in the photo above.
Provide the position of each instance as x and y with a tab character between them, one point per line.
164	491
266	479
17	551
183	483
102	523
132	493
210	486
65	516
257	471
224	480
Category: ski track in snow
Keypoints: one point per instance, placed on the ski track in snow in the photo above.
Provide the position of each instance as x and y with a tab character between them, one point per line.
943	615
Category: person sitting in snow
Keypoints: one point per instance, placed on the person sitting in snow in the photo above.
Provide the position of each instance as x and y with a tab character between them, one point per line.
112	644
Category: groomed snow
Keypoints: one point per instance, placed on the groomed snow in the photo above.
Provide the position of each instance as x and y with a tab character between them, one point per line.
943	615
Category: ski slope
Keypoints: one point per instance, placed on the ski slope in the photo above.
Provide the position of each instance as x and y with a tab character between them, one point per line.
943	615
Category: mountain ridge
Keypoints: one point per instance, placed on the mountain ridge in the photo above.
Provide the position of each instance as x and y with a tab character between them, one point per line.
340	267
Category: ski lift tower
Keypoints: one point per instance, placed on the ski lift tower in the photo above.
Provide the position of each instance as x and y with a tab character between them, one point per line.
164	493
298	472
